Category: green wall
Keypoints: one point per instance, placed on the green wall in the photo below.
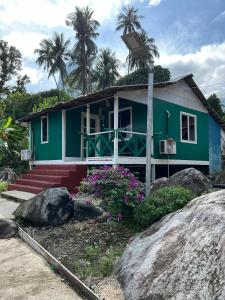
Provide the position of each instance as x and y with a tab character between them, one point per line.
53	149
185	151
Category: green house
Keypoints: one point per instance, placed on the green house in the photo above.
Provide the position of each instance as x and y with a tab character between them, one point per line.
109	127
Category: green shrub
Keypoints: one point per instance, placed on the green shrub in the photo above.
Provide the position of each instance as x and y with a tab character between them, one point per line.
160	203
3	186
120	189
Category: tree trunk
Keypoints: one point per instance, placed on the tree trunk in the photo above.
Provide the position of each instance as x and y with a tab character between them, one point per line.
57	87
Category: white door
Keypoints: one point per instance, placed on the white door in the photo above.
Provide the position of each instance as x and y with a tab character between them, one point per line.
94	127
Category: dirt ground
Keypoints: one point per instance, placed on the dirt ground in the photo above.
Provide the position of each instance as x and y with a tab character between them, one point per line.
90	250
25	275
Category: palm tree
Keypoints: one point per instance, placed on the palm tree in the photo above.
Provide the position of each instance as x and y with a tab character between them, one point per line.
53	54
135	63
106	72
128	21
85	48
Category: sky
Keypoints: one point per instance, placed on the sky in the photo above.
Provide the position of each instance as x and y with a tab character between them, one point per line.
189	34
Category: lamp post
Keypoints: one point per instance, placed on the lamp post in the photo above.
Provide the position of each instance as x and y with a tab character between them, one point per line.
138	49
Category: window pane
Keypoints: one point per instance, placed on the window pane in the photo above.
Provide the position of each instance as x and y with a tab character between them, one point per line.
184	127
44	129
191	128
125	120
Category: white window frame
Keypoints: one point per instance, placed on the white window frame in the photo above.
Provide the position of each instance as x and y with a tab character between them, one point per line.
44	117
195	120
121	109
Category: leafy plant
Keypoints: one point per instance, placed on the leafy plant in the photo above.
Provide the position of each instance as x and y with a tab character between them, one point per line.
120	189
160	203
3	186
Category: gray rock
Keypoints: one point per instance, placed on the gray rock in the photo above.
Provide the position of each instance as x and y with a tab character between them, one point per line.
84	210
159	183
192	179
180	257
50	207
189	178
8	175
8	228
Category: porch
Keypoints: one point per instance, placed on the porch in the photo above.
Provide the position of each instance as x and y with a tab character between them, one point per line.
113	132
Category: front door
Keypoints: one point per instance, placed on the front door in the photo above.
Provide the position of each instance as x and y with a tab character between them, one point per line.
94	127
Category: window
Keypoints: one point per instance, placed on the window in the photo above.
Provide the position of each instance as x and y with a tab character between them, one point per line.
188	128
44	129
124	120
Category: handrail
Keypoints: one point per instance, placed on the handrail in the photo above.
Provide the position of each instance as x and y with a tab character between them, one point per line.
132	132
101	132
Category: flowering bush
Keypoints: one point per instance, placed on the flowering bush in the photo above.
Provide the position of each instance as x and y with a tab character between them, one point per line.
120	189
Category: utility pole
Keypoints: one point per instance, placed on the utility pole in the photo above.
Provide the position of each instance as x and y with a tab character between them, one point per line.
148	173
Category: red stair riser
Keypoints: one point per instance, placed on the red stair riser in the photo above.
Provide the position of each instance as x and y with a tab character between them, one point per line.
45	176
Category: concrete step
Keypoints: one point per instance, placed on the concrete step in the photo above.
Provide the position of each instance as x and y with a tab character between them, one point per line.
57	167
43	177
38	183
50	172
25	188
17	196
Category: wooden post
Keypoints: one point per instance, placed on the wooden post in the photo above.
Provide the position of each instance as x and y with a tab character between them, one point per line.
148	175
116	122
88	125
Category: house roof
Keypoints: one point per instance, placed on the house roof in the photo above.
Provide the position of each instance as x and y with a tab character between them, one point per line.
110	92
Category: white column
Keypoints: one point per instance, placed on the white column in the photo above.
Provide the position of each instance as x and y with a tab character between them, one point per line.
63	134
88	125
116	122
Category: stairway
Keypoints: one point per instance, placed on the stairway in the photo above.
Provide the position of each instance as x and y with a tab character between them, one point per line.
42	177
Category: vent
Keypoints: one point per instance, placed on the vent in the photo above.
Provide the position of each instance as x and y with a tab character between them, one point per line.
167	146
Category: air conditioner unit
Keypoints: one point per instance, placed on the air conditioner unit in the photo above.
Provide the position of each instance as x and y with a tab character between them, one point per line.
26	154
167	146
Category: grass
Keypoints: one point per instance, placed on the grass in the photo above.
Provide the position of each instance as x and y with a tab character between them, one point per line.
92	262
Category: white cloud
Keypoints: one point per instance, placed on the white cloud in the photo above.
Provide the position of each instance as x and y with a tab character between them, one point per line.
25	42
35	75
207	65
219	17
154	2
53	13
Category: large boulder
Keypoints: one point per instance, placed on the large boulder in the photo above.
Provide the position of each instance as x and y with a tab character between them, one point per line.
8	175
159	183
87	207
180	257
192	179
189	178
50	207
8	228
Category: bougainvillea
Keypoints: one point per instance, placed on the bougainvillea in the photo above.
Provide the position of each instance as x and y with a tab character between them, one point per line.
120	188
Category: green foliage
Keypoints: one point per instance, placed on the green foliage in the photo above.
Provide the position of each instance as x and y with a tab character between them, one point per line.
19	104
216	104
17	139
45	103
162	202
85	49
106	70
10	62
3	186
120	189
141	76
53	54
94	263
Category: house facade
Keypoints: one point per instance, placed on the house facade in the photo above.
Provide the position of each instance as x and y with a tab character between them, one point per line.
109	127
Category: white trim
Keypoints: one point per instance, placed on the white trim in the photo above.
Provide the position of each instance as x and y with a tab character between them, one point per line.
97	127
121	160
180	162
182	113
63	134
44	117
116	123
119	110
